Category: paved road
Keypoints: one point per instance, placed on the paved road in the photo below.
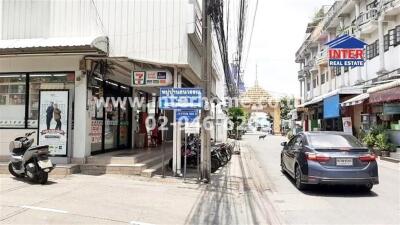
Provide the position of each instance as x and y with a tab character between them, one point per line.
326	205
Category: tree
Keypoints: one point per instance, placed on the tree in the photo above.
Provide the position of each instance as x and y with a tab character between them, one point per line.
238	117
286	105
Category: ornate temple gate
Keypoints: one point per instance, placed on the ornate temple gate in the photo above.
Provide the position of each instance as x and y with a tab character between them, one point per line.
257	99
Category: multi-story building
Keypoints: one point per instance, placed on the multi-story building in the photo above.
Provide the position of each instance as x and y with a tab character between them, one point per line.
377	23
90	48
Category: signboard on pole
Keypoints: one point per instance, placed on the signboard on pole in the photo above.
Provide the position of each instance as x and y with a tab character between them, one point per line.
192	128
186	116
151	78
53	121
347	125
180	98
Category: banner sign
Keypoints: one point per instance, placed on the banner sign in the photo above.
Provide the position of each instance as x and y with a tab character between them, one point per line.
180	98
53	121
347	125
186	116
153	78
346	51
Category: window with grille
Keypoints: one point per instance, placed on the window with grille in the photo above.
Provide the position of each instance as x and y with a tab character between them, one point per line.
397	35
386	42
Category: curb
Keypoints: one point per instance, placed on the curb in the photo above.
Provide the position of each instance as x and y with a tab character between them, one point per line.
389	159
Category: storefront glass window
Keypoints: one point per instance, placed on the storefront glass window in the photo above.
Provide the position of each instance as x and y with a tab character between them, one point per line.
41	82
12	100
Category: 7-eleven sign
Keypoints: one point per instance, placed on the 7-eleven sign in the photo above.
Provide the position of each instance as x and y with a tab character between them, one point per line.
138	78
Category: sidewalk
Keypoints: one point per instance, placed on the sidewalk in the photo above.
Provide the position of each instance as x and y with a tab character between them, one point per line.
234	196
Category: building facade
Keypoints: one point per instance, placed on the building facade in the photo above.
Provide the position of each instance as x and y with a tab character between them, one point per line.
324	88
89	49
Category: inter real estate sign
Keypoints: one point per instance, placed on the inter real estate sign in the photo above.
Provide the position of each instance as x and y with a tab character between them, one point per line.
346	51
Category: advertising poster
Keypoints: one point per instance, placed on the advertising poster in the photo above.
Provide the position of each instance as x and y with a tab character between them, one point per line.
347	125
53	121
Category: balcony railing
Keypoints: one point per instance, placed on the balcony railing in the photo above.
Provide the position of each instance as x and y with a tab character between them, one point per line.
349	30
300	74
322	57
367	17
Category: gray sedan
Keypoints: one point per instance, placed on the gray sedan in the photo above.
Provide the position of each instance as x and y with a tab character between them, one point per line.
328	158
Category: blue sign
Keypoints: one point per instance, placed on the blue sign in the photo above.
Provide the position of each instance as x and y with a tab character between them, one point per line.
346	51
331	107
181	98
186	115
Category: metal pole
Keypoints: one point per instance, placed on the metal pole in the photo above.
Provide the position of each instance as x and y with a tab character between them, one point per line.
163	148
206	56
198	162
184	166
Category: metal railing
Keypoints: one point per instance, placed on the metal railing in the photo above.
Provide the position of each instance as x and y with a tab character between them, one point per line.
349	30
366	17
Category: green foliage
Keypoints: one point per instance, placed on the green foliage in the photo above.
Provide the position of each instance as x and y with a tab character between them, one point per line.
369	140
378	137
286	105
237	115
382	142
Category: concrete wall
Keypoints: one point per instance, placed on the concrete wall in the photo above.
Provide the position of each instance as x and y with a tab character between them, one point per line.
153	30
76	148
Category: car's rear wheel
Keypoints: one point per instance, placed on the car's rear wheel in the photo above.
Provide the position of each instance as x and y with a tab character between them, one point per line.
298	178
367	187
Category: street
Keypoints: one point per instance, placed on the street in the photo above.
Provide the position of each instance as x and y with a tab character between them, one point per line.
326	204
250	190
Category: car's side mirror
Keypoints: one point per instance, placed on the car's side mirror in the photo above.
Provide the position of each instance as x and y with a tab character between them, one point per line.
284	144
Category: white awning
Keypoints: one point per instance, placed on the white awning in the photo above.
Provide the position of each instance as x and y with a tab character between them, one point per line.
54	45
355	100
346	90
386	86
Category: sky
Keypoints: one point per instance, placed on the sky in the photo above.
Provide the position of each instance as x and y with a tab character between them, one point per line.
279	31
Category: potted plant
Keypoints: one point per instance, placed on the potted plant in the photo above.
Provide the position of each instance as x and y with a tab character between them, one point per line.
382	143
369	140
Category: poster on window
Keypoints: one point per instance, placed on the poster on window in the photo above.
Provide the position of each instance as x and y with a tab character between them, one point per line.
347	125
53	121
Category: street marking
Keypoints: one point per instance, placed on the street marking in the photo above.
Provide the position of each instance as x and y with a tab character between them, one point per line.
44	209
139	223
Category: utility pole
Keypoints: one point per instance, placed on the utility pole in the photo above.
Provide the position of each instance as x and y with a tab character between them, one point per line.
205	72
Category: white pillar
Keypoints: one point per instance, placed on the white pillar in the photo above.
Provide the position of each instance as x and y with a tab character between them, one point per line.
301	88
176	161
305	88
82	120
134	122
382	68
318	81
342	81
312	85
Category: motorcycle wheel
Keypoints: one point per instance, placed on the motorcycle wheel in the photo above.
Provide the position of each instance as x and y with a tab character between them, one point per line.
214	165
42	177
11	170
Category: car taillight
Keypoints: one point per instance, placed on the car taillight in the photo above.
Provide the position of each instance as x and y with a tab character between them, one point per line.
367	158
318	157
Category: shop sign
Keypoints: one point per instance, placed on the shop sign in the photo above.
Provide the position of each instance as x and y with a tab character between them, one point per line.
346	51
180	98
96	131
187	116
347	125
192	128
53	121
391	109
152	78
138	78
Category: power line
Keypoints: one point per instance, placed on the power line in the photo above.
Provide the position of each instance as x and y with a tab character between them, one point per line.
251	34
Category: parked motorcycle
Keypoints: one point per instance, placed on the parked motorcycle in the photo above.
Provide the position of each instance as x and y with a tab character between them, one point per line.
32	162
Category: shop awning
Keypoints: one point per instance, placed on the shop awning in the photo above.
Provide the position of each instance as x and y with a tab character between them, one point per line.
355	100
346	90
97	44
385	92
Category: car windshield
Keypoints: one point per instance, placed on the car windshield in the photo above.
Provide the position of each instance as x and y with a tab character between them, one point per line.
334	141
